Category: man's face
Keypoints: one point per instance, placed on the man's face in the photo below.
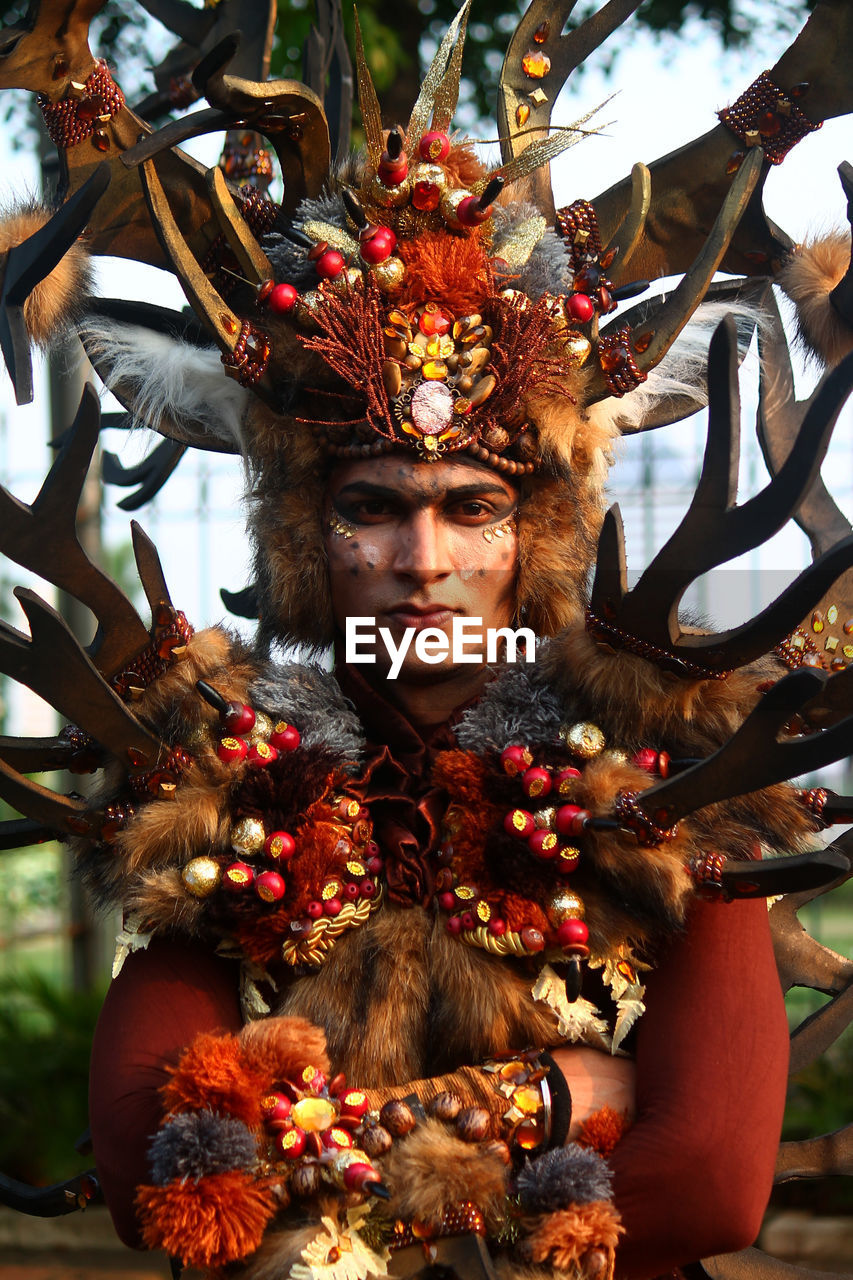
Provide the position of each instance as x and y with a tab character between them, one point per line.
426	542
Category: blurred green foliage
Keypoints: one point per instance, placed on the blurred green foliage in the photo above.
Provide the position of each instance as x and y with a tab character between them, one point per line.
45	1040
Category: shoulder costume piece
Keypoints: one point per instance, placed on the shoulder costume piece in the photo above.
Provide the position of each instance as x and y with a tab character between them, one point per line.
418	921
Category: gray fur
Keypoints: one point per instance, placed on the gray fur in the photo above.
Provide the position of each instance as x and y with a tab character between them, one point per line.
547	269
199	1143
311	698
569	1175
516	707
289	261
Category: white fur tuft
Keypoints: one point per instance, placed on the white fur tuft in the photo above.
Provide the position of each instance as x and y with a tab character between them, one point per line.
683	370
171	379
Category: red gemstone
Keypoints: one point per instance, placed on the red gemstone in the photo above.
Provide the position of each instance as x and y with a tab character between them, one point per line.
434	146
572	933
330	264
536	782
646	758
571	819
580	307
282	298
280	845
615	358
769	124
261	755
531	939
433	322
515	759
518	822
237	877
239	719
285	737
426	196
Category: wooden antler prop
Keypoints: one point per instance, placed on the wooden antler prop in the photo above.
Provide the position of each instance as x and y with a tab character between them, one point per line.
538	62
43	538
715	530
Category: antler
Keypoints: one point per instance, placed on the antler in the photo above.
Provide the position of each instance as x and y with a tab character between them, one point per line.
528	90
714	531
754	757
662	328
43	538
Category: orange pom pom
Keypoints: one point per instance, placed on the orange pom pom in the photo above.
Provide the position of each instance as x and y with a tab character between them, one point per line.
562	1238
209	1223
453	270
214	1072
603	1129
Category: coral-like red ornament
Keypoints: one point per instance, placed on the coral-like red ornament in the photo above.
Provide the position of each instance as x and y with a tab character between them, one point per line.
536	782
434	146
237	877
269	886
285	737
572	933
580	307
518	822
571	820
280	845
232	750
515	759
238	719
330	264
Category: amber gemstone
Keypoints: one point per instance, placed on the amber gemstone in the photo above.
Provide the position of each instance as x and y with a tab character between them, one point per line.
522	114
615	358
734	162
769	124
314	1115
100	140
529	1135
425	196
542	32
434	370
536	64
817	622
514	1072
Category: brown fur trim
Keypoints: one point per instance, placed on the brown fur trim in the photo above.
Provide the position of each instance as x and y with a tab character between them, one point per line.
808	277
161	901
432	1169
281	1048
214	1072
279	1251
562	1238
217	1220
52	305
636	704
390	994
510	1269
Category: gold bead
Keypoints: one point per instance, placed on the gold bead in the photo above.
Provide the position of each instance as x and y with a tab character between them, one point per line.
390	274
201	877
564	905
584	739
261	729
247	837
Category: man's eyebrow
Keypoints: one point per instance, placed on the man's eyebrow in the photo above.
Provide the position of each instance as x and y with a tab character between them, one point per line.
370	489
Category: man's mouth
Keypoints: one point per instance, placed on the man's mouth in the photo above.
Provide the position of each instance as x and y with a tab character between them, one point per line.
420	616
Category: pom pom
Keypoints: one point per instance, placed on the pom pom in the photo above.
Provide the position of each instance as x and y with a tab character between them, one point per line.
197	1144
214	1074
603	1129
569	1175
209	1223
562	1238
808	278
56	301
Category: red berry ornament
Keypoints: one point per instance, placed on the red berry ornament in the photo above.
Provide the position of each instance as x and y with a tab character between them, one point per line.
280	846
515	759
330	264
580	307
572	933
285	737
282	298
571	820
239	719
518	822
536	782
269	886
434	147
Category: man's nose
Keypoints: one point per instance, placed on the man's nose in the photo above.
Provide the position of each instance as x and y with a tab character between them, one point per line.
423	552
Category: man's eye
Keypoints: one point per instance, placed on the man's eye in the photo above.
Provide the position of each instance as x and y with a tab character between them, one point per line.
370	509
475	509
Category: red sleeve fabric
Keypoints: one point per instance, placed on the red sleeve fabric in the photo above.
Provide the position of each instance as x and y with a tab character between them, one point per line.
694	1173
160	1001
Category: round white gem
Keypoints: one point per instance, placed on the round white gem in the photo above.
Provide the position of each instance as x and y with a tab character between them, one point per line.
432	408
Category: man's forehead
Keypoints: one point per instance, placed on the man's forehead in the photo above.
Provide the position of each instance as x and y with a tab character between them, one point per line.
417	480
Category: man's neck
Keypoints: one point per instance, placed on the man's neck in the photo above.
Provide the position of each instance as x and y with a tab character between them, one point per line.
426	705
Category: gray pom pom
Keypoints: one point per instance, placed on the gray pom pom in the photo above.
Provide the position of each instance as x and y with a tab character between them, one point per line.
517	707
311	698
569	1175
198	1143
